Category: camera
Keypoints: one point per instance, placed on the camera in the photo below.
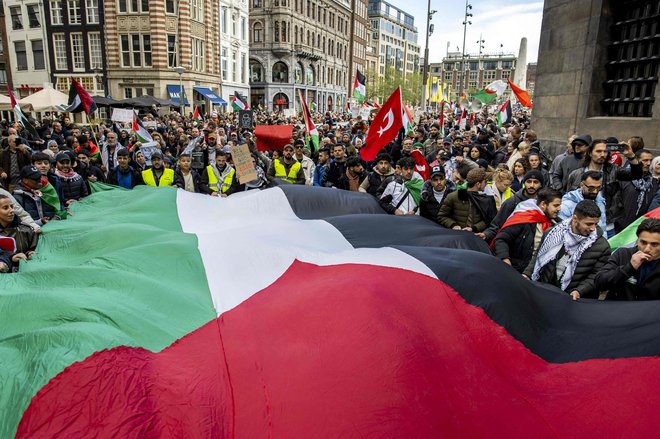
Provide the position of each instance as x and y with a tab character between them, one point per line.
614	147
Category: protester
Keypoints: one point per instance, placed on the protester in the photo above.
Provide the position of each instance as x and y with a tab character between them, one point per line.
571	253
468	209
336	168
12	160
158	175
402	194
380	173
27	194
521	234
74	186
633	273
353	176
287	168
185	177
571	162
124	175
322	166
434	192
590	186
219	179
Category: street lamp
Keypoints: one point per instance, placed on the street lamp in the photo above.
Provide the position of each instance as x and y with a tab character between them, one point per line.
466	22
429	31
481	46
179	70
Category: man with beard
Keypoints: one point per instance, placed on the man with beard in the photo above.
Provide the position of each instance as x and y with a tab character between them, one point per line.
322	166
532	183
219	179
597	159
591	183
570	163
521	234
350	181
337	167
375	178
432	144
306	163
434	193
571	253
109	152
158	175
288	169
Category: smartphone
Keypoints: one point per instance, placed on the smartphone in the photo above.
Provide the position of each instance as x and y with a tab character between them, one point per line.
614	147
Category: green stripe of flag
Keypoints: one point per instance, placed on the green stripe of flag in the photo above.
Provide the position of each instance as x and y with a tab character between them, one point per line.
102	269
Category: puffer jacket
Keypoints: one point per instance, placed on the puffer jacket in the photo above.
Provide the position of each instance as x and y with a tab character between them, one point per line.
73	188
428	204
32	204
583	281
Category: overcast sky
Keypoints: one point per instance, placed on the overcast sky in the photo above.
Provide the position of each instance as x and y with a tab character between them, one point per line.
498	21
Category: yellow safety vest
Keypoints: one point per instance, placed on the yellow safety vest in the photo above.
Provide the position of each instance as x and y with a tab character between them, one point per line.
167	179
213	180
280	171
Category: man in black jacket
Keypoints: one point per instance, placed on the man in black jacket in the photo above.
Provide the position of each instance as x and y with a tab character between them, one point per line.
337	167
572	252
123	174
185	177
434	192
533	182
521	234
27	194
633	273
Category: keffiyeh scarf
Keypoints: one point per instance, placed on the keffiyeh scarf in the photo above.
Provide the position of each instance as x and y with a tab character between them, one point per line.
575	246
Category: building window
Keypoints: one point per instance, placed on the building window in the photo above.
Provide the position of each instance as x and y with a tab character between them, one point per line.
128	93
56	12
243	69
257	33
95	54
16	17
449	76
74	11
92	7
171	51
507	64
59	47
243	28
234	33
223	62
33	16
506	74
256	71
280	72
135	50
473	75
489	75
223	20
276	32
77	52
170	6
146	49
197	54
38	54
133	6
21	55
197	10
233	66
632	65
472	85
490	65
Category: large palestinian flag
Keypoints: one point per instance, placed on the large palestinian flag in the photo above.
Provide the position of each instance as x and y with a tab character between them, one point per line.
304	312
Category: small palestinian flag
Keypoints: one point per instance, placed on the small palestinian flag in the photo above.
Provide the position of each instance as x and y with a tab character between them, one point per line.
48	195
462	121
408	120
79	100
140	131
360	89
312	132
628	236
237	103
441	121
21	117
312	106
196	116
504	113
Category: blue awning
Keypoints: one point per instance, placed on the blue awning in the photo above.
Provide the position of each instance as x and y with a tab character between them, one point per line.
208	94
173	91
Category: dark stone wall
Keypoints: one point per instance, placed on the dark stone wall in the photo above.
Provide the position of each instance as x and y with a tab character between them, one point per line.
570	72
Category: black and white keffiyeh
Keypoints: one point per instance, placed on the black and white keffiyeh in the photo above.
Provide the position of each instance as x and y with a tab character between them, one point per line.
575	245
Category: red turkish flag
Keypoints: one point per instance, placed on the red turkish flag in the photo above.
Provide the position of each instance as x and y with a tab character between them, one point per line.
385	126
421	166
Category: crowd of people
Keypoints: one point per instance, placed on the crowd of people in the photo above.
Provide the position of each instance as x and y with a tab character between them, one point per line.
548	218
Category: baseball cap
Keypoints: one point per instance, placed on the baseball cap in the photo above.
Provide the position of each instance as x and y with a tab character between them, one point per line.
157	155
62	156
437	170
31	173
